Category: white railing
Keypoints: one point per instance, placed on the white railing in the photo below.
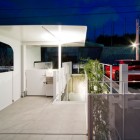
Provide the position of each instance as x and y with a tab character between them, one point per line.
123	77
109	78
60	80
134	72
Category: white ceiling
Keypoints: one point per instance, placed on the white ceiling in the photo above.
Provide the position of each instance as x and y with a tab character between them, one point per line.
47	34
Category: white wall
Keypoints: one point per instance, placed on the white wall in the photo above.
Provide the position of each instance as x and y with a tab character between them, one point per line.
33	53
5	78
6	89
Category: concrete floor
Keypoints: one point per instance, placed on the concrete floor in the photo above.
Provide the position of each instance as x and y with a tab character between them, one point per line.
37	118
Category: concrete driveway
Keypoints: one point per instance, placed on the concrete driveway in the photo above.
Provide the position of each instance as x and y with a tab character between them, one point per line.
38	118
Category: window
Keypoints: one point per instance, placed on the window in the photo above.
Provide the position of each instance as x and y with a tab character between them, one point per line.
6	58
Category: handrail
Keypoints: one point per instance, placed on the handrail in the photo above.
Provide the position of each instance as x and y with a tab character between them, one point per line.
110	74
134	72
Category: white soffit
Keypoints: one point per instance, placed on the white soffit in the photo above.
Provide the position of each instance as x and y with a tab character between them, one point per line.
47	35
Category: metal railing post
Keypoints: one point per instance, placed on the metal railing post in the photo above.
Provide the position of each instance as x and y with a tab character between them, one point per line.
111	79
103	71
90	117
123	94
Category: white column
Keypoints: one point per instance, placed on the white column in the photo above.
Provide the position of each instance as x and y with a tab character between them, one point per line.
23	68
123	76
59	47
123	88
59	56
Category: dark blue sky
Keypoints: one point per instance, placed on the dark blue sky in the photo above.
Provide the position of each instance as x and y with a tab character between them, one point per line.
101	16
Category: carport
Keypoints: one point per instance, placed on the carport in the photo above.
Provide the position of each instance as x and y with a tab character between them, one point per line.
25	37
37	117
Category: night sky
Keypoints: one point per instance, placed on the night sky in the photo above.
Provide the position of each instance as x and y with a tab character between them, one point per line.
108	17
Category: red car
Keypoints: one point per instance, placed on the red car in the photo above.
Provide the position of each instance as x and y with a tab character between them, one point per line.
132	65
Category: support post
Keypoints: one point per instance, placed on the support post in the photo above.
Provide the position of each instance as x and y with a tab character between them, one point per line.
90	117
123	76
110	79
59	48
137	39
23	68
59	56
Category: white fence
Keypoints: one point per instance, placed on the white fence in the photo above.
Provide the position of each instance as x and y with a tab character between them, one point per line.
6	89
109	78
124	73
60	80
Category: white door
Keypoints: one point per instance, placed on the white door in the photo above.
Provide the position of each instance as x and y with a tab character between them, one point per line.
36	82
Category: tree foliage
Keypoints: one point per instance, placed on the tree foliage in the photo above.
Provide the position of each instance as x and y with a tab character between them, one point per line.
94	71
